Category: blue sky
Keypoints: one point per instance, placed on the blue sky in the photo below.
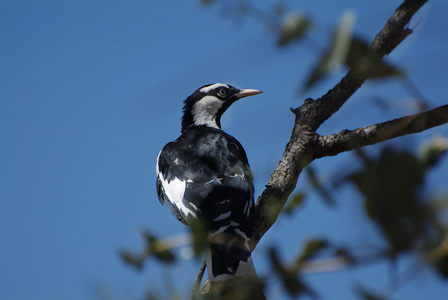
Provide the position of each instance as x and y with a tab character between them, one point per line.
90	91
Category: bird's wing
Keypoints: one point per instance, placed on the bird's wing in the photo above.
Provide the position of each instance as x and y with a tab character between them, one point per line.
210	180
170	188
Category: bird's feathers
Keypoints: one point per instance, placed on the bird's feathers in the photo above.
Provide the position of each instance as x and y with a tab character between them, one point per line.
205	175
206	178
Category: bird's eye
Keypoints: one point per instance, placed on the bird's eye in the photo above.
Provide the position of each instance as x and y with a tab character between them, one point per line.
222	92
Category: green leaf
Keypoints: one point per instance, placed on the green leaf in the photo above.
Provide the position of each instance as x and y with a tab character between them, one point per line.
431	151
294	28
312	248
157	249
294	203
199	234
134	260
391	192
368	295
342	37
365	63
345	253
291	282
339	49
273	206
237	288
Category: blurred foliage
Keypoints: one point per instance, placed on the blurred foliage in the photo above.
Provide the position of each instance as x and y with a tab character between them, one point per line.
289	275
199	236
158	249
153	248
319	186
433	150
353	52
294	203
441	264
368	295
337	52
238	288
364	63
390	189
312	249
294	28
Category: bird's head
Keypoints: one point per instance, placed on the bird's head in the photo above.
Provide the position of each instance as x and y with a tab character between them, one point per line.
207	104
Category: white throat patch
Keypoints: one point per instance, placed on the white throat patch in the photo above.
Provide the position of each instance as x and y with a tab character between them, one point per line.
204	111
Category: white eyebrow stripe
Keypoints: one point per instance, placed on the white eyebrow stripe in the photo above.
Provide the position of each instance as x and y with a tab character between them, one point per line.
208	88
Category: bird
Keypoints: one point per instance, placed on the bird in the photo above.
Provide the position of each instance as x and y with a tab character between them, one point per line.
204	175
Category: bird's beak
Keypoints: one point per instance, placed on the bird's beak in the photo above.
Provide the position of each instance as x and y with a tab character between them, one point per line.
247	92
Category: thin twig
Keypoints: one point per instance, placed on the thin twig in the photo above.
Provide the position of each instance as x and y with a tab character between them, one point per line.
197	285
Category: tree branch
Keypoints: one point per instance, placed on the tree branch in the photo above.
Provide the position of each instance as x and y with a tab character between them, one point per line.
347	140
299	150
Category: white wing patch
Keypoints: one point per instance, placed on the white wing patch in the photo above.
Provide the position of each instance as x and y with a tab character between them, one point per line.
175	190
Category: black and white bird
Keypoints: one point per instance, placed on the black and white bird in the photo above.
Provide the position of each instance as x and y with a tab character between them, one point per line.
205	175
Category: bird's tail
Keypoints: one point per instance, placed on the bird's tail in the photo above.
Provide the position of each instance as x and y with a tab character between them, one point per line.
228	259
